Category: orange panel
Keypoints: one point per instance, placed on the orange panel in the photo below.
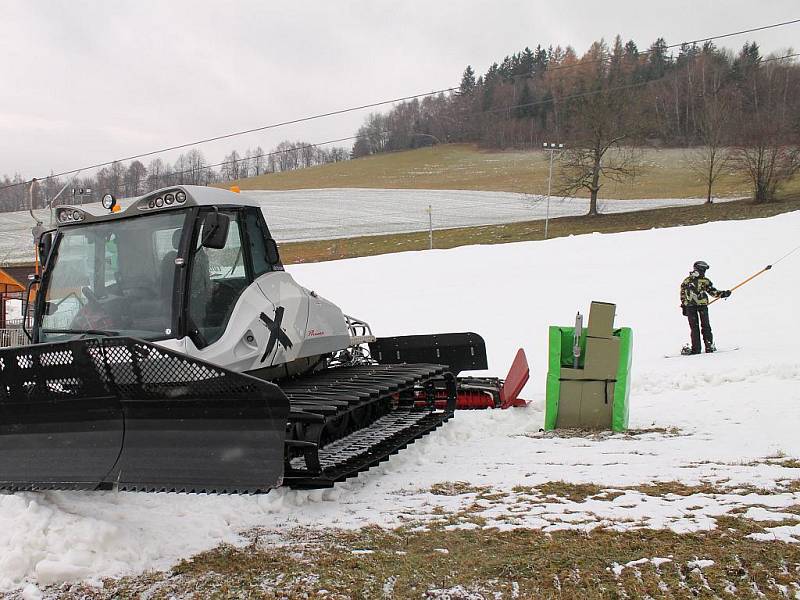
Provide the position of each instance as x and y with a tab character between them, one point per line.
13	284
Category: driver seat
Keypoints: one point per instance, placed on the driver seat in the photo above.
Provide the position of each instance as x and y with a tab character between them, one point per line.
168	266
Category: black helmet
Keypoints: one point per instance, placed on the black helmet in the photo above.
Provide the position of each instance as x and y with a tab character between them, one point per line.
701	266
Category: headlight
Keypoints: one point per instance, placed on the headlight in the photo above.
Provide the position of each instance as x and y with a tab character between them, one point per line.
159	202
169	198
180	197
109	202
76	215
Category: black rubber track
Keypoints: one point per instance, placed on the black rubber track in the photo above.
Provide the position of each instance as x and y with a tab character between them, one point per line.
346	420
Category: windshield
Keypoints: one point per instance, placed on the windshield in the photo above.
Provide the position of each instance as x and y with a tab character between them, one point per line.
114	277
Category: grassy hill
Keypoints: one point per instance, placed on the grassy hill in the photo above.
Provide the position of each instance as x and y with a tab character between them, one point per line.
665	174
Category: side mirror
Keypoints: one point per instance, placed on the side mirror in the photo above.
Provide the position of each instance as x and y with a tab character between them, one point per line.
45	246
215	230
272	252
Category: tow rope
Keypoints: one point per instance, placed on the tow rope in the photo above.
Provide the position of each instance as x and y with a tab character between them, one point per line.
764	270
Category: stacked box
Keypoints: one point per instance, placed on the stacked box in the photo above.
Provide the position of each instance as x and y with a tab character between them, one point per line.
595	395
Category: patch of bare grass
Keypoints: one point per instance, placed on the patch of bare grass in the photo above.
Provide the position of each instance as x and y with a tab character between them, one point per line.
376	563
454	488
575	492
595	435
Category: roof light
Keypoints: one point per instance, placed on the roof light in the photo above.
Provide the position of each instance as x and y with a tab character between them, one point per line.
180	197
109	202
159	202
68	215
169	199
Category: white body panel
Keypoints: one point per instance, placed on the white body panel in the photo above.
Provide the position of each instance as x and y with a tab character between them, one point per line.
312	324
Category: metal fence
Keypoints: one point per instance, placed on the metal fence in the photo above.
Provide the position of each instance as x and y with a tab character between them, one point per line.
12	337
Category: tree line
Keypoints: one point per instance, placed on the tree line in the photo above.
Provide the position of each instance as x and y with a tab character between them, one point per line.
736	111
190	168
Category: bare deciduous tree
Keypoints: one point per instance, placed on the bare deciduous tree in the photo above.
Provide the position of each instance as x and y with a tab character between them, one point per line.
134	178
603	121
768	151
196	165
712	158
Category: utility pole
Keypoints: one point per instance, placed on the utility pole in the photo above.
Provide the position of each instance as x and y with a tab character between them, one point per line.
430	227
80	193
552	147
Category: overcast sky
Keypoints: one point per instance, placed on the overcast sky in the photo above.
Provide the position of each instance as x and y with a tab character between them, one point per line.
85	81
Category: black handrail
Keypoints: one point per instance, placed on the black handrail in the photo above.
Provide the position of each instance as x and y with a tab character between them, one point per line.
26	301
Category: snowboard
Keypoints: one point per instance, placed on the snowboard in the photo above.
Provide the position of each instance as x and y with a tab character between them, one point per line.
717	351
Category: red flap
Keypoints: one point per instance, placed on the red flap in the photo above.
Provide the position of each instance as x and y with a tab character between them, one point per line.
516	379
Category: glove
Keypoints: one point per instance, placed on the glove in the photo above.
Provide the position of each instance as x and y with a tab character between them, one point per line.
683	310
724	293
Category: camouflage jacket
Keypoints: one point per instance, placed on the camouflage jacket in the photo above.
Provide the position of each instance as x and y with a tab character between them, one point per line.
695	291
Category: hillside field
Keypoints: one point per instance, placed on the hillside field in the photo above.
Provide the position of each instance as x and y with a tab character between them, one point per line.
665	174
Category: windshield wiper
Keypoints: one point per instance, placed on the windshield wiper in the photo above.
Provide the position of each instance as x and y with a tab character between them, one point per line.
83	331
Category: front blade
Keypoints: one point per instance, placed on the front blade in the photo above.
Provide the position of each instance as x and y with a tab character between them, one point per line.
181	424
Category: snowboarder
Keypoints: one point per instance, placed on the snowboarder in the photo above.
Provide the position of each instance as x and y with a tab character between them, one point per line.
695	290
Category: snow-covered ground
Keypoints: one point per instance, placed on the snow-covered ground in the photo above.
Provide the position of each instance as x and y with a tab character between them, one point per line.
727	419
334	213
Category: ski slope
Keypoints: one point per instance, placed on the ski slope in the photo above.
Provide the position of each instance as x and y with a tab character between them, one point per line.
727	418
296	215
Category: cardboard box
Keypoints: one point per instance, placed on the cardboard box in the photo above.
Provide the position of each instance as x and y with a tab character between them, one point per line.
601	319
569	405
576	374
585	405
602	358
597	403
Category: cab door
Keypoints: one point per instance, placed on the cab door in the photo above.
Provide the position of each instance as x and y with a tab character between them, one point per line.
225	305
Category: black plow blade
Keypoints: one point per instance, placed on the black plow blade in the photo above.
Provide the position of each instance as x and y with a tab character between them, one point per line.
119	413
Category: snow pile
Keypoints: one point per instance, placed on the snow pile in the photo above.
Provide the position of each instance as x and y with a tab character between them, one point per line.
727	419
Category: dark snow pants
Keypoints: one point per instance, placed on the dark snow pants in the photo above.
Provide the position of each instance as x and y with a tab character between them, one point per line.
698	321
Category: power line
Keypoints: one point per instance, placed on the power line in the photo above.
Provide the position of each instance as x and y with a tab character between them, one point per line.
264	155
389	131
473	114
671	46
238	133
742	32
364	106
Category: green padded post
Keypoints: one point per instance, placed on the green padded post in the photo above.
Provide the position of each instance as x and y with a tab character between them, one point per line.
553	377
560	355
622	390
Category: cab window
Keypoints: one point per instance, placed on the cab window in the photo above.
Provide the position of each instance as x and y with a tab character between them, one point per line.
256	240
218	277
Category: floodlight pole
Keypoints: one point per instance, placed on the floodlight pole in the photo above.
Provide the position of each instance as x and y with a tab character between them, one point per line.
430	227
80	193
552	147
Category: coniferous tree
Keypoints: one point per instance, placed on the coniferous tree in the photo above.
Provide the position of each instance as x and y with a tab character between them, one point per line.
467	82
